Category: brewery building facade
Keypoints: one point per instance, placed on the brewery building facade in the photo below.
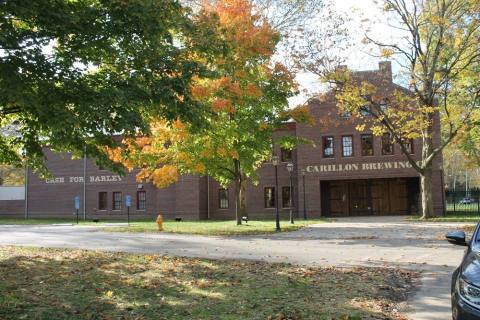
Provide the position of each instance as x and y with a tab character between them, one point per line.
343	173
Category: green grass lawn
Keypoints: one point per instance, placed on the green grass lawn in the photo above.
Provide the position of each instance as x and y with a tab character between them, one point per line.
75	284
4	220
215	227
202	227
472	207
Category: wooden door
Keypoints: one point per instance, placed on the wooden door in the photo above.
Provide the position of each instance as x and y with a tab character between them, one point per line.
398	196
338	198
360	197
380	197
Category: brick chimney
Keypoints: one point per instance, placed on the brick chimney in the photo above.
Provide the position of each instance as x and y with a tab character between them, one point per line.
385	69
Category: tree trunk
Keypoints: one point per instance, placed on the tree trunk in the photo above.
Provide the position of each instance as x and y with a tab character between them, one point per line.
242	198
238	195
426	192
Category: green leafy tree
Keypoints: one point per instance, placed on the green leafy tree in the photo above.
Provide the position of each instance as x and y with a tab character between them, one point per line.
247	99
74	73
11	176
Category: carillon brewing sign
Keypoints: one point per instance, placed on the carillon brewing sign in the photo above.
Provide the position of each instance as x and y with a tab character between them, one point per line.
342	167
90	179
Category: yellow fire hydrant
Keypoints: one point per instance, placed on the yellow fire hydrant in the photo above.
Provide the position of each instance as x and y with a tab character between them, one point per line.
159	222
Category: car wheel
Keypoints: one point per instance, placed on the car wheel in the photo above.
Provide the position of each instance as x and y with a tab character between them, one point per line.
455	313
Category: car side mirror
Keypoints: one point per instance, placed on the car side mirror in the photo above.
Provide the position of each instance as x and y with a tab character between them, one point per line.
457	238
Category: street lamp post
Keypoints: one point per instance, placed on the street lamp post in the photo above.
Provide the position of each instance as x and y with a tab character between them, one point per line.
277	216
290	171
304	200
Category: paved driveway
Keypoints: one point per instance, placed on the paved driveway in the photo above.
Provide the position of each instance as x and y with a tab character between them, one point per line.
389	241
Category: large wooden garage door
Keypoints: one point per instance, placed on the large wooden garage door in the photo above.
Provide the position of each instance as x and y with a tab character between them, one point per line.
360	199
398	196
338	198
365	197
380	197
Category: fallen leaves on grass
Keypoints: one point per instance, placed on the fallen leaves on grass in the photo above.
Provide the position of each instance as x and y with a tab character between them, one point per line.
76	284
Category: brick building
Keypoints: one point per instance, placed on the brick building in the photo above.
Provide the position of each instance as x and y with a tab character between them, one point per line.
345	173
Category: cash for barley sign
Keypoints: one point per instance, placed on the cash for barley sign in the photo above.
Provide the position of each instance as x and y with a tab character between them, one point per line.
349	167
77	179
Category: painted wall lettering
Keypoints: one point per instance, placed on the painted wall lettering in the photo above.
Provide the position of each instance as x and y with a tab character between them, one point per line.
105	178
55	180
341	167
79	179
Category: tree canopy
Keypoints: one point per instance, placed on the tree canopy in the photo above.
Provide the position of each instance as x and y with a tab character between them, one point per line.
75	73
247	101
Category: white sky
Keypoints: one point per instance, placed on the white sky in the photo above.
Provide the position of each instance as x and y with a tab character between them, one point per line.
357	58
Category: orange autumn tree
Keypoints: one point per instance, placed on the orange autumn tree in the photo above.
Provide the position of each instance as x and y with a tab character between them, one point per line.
246	98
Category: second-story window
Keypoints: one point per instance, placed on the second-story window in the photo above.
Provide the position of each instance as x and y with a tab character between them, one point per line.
366	110
347	146
346	115
328	147
367	144
408	143
285	155
384	107
387	144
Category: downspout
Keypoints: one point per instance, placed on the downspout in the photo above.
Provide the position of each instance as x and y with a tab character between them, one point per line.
444	203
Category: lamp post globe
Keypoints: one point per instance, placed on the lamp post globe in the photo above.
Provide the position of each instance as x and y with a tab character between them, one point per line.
290	167
275	160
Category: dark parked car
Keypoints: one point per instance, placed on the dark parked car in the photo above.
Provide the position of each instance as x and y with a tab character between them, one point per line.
466	278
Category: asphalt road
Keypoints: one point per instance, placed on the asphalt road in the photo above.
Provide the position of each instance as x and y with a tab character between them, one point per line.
387	241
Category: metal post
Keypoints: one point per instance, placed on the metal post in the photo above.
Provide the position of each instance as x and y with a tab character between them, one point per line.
277	213
77	214
128	204
478	203
304	198
466	183
454	203
26	190
290	168
85	183
291	198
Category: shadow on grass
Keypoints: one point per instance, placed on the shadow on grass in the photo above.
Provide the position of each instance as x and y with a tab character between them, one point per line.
74	284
